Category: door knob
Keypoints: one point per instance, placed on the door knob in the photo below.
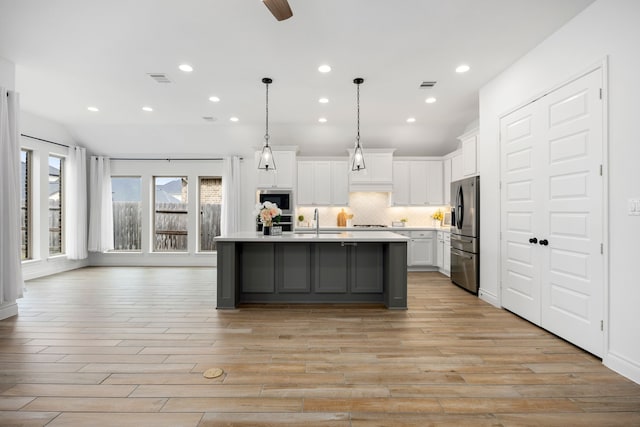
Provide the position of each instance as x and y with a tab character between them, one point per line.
544	242
533	240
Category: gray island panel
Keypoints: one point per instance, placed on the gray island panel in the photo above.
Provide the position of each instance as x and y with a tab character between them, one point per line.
340	268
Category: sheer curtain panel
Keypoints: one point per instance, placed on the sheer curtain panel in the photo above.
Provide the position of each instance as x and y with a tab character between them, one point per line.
76	204
230	218
101	205
11	281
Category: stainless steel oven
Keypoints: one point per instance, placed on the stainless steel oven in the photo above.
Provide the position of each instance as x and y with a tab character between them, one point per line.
282	198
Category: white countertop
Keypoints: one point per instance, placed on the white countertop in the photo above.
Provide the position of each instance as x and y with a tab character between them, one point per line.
368	229
360	236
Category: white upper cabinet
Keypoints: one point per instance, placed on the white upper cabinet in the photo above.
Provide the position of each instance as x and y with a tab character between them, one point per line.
378	174
417	183
469	153
446	180
283	176
322	183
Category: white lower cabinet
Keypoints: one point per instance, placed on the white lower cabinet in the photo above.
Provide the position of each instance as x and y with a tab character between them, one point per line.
422	248
443	252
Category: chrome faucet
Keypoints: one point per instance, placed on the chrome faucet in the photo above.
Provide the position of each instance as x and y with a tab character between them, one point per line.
316	218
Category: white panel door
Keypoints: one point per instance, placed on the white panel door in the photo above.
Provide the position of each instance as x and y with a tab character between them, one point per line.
573	266
552	191
520	270
340	182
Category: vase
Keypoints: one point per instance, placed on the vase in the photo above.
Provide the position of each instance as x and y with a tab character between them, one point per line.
266	230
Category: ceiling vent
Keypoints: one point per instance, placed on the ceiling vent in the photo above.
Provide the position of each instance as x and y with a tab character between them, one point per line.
426	85
159	77
208	118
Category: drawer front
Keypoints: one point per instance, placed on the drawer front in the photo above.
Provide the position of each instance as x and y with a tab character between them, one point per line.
447	237
422	234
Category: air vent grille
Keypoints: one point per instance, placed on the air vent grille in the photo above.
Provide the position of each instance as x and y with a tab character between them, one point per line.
425	85
159	77
209	118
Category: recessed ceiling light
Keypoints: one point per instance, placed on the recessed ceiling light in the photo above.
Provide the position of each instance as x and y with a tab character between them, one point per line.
463	68
323	100
234	119
430	100
411	120
324	68
147	109
322	120
186	68
214	99
93	109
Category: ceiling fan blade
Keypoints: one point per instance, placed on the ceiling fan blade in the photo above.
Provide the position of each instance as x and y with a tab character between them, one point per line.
279	8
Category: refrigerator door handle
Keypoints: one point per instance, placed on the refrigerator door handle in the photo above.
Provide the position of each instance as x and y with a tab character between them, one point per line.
460	254
459	207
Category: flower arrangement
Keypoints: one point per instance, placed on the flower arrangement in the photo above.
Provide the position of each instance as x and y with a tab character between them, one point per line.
438	215
268	213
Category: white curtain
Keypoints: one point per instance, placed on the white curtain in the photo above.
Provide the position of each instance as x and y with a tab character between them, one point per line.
101	205
230	218
76	204
11	281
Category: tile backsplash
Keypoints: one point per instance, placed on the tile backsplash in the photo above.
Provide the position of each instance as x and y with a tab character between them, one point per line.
371	208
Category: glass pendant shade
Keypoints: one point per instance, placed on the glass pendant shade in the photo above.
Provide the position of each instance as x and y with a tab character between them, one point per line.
266	159
358	159
266	156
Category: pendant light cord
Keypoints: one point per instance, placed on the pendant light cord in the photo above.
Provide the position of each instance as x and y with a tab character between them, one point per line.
358	103
266	135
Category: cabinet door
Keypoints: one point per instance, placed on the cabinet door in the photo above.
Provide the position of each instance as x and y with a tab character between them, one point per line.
435	194
446	265
340	183
306	181
265	179
446	180
422	251
469	156
260	278
322	183
294	267
418	183
401	183
285	164
456	167
331	268
366	268
440	250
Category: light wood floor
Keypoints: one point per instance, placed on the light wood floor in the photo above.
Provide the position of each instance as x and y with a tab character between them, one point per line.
128	346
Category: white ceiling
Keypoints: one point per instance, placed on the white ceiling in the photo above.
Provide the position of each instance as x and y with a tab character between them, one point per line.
71	54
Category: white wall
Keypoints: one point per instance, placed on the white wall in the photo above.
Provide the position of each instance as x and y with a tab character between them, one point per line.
606	29
42	264
7	74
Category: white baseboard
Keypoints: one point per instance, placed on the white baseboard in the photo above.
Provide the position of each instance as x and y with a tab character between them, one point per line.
8	309
623	366
489	297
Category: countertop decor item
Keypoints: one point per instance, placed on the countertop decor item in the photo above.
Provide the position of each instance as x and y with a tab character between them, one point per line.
267	214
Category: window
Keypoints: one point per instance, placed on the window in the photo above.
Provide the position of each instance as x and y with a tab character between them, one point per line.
25	204
127	213
210	202
56	186
171	219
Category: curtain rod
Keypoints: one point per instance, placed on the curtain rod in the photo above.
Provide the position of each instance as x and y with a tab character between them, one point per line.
167	159
44	140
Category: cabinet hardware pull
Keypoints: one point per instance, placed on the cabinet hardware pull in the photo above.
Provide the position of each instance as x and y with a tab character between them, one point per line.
534	240
348	243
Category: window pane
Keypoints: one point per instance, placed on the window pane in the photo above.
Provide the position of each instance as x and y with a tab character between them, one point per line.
170	214
25	204
127	213
56	165
210	204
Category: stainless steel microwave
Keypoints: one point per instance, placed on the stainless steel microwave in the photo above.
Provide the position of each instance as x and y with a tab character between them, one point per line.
282	198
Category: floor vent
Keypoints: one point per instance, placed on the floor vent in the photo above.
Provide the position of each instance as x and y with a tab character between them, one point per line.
159	77
425	85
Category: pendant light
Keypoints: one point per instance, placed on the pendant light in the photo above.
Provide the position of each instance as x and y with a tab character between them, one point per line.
358	157
266	157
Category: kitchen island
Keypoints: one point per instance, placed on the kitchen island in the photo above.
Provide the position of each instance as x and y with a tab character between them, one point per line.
362	267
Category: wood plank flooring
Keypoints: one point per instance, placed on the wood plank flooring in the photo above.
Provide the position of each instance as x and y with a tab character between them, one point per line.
128	346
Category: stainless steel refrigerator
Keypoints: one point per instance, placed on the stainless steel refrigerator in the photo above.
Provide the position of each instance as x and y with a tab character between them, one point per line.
465	233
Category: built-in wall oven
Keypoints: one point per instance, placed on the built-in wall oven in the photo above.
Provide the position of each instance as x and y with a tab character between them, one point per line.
284	200
465	234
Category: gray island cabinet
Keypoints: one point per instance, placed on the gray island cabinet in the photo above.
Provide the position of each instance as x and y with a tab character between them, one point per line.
363	267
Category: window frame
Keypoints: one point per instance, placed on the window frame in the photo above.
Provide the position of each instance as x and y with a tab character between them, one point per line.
142	210
60	204
154	212
26	230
